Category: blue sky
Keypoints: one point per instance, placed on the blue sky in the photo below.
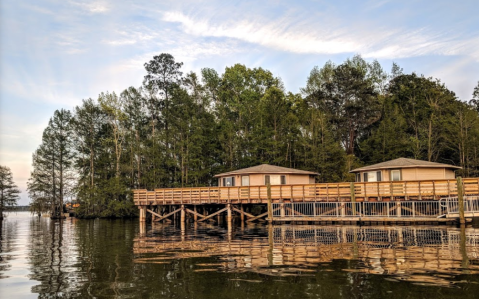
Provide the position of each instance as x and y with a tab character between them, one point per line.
53	54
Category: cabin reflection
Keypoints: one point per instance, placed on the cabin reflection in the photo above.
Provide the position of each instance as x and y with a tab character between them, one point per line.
406	253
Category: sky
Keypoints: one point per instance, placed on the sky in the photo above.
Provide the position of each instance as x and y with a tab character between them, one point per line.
53	54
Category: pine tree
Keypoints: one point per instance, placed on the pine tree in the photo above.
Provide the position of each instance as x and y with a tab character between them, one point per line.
8	190
51	177
89	128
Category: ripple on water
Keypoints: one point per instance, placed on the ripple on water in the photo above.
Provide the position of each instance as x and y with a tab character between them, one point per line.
110	258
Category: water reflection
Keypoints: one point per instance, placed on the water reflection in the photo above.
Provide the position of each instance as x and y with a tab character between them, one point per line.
424	255
53	256
121	259
6	245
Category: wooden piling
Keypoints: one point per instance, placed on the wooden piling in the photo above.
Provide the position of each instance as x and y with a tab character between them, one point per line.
242	213
228	213
142	213
460	199
183	214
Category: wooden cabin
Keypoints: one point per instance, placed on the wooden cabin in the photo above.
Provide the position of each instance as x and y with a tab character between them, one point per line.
403	169
264	174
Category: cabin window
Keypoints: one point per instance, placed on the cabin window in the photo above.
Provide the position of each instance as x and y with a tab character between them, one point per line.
245	180
229	181
275	179
395	175
358	177
372	176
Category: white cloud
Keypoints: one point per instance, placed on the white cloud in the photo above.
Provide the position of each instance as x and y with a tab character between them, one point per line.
296	35
93	6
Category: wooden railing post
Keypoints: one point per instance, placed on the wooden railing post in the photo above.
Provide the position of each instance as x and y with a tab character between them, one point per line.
460	199
270	208
353	198
420	195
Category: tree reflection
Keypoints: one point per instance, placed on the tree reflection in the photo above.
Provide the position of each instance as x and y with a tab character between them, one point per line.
7	231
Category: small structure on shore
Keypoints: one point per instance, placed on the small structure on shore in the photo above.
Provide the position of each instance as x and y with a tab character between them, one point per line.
264	174
404	169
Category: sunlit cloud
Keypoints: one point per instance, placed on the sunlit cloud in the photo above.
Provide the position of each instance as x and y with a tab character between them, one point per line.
92	6
312	36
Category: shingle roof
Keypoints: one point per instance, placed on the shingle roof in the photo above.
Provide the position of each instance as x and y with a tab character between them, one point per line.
405	163
266	168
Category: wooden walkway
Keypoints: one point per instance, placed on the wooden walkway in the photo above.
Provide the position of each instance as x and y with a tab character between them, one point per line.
326	192
401	201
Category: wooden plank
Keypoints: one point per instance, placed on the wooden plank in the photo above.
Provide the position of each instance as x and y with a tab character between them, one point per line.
259	216
214	214
243	212
194	213
164	216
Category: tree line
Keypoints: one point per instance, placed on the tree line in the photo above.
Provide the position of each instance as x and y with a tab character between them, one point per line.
178	130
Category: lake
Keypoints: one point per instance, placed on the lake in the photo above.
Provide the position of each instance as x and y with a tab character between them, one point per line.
122	259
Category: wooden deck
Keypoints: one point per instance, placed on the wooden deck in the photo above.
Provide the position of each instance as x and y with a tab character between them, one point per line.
327	192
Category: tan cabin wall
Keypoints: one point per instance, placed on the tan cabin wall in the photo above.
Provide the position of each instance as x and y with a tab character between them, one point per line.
450	174
258	179
298	179
412	174
417	174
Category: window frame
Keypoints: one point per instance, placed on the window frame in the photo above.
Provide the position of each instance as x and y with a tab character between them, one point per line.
396	171
225	180
242	180
272	177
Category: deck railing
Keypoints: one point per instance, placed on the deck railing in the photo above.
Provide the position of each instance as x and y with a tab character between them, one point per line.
398	209
329	192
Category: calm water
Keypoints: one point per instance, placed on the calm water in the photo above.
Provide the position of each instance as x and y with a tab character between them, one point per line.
120	259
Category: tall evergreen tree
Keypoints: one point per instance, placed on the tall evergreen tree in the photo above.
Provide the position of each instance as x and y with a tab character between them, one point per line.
8	190
51	179
89	128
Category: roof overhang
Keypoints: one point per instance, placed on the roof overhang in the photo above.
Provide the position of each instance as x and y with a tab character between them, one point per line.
248	173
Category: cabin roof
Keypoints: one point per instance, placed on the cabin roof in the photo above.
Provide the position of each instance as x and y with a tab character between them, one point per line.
405	163
266	168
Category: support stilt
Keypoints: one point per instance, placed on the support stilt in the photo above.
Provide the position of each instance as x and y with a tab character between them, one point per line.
242	213
183	214
142	213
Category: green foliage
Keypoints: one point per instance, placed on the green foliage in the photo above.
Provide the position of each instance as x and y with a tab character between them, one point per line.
180	130
51	179
8	190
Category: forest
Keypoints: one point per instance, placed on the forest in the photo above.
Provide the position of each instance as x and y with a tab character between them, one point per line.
179	129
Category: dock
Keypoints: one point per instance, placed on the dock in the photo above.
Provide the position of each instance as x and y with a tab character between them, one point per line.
426	201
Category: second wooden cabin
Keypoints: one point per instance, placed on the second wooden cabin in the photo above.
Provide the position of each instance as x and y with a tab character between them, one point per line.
403	169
